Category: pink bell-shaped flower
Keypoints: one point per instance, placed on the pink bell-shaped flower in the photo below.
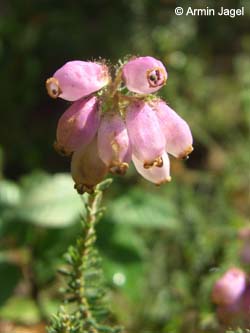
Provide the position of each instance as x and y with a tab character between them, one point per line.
77	79
87	169
229	287
113	143
154	174
78	125
144	75
177	133
145	135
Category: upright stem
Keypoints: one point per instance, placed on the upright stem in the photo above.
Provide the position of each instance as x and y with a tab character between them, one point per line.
84	309
89	240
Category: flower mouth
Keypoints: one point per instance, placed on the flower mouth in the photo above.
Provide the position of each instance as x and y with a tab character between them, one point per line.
185	154
156	77
53	88
119	168
158	162
167	180
83	188
61	150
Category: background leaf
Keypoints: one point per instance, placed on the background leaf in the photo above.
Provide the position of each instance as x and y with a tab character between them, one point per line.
139	208
49	201
9	277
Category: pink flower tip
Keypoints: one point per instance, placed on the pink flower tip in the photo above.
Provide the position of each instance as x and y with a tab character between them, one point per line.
229	287
178	136
144	75
77	79
155	174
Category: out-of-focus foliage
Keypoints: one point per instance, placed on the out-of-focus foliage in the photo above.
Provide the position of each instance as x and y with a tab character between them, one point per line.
239	331
42	200
162	248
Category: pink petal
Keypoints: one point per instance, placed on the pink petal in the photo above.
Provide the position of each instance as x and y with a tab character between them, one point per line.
78	125
113	143
178	136
144	75
229	287
145	135
87	169
77	79
155	174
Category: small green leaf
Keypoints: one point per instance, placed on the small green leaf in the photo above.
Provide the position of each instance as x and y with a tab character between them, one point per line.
104	184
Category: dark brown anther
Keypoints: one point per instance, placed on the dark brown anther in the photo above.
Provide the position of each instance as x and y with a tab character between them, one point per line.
153	77
60	150
158	162
156	77
168	180
119	169
53	88
148	165
184	155
82	188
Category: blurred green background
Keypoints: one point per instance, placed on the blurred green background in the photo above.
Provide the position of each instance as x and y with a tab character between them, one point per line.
164	247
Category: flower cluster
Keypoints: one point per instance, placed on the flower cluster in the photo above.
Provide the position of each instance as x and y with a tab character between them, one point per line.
229	287
231	294
114	121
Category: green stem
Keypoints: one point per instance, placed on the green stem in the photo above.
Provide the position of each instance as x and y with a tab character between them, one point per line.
89	240
84	300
